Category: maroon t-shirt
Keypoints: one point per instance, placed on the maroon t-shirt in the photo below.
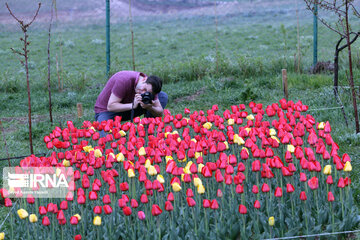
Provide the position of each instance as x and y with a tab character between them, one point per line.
122	85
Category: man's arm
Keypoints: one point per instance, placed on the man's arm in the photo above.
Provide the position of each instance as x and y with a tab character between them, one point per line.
115	105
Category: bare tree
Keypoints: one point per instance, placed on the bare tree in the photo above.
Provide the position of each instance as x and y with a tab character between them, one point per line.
48	51
24	54
341	9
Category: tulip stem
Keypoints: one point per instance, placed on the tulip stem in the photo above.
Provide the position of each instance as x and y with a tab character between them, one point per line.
306	220
12	226
332	218
206	222
194	219
342	204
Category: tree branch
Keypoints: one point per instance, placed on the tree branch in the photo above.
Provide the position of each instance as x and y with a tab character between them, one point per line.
37	11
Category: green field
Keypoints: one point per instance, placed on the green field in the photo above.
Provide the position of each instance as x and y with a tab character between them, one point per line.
252	50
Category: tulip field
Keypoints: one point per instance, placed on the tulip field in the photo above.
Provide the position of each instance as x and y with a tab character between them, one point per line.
251	171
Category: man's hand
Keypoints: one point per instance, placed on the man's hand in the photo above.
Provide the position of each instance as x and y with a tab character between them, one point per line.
137	100
147	106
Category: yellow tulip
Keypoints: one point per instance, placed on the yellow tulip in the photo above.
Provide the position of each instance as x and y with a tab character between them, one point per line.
248	129
131	173
231	121
179	140
110	154
250	117
58	172
142	151
167	158
78	216
22	213
290	148
198	154
200	167
188	164
275	138
120	157
147	163
272	132
207	125
347	167
92	128
238	140
321	126
122	133
88	148
194	140
66	163
33	218
200	189
327	170
197	182
271	221
152	170
227	145
2	236
97	153
97	221
176	187
187	170
160	178
247	150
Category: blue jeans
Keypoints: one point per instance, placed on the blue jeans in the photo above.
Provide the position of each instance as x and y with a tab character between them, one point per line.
126	116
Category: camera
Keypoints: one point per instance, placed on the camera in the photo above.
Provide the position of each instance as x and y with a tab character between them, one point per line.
147	97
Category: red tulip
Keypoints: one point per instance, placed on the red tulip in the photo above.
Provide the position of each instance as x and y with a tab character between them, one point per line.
107	209
156	210
60	215
144	198
80	199
8	202
64	205
303	196
134	203
124	186
265	187
45	221
168	206
74	220
93	195
341	183
256	166
122	202
214	204
330	197
97	210
190	201
239	188
141	215
127	211
303	177
106	199
278	192
289	188
255	189
206	203
170	197
30	199
313	183
257	204
242	209
77	237
42	210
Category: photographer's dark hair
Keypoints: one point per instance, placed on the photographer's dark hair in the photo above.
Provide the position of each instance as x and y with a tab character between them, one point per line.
155	82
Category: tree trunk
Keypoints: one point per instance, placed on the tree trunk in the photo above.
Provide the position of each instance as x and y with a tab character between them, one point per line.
350	70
